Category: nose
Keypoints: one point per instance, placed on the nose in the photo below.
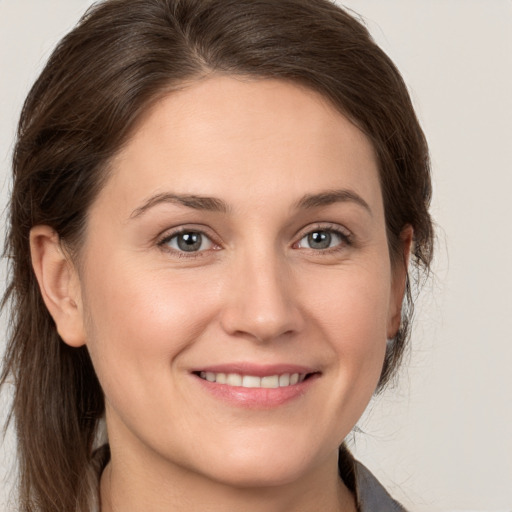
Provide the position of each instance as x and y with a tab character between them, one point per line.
261	301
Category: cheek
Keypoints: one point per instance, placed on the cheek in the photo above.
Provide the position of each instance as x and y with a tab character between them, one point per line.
352	301
138	323
351	310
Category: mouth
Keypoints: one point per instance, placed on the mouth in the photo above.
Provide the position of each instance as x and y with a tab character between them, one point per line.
278	380
256	386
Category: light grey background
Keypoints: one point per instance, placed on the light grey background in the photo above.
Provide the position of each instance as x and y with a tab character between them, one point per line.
442	439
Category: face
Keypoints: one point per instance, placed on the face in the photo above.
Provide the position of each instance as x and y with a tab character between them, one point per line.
236	286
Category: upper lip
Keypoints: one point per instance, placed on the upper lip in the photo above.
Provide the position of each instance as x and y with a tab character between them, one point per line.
258	370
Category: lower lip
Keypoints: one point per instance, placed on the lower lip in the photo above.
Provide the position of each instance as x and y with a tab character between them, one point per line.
257	398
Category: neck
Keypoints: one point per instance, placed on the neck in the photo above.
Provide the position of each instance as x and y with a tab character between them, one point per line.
128	486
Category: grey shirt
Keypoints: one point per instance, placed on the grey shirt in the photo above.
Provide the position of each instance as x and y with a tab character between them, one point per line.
370	495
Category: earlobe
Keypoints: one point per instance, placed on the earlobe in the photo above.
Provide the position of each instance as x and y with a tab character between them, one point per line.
399	282
58	283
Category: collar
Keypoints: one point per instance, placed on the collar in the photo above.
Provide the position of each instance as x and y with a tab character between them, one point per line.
370	494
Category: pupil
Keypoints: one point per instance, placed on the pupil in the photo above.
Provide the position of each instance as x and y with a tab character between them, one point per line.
189	241
319	240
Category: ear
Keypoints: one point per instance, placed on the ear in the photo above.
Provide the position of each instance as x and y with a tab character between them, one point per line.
59	284
399	279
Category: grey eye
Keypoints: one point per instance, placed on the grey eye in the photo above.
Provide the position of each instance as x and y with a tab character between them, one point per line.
320	239
189	241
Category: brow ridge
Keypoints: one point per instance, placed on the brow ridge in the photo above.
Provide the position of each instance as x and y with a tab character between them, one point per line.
329	197
196	202
189	200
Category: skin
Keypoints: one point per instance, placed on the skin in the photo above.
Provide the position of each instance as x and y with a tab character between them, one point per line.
256	292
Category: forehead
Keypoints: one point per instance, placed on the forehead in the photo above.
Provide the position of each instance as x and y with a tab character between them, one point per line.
244	139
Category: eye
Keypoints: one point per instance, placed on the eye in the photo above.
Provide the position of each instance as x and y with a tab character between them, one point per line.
188	241
321	239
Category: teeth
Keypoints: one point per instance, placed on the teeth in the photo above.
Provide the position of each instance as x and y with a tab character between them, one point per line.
251	381
284	380
233	379
272	381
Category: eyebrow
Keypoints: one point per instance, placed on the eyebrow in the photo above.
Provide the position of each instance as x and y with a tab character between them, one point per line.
214	204
189	200
329	197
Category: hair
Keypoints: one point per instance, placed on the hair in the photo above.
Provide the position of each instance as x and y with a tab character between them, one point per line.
122	57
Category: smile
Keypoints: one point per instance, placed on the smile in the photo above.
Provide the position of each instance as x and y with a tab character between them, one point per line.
254	386
253	381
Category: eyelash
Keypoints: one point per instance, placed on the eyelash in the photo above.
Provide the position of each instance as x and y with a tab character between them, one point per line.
164	241
346	240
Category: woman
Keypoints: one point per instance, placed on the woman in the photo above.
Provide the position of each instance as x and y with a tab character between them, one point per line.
213	210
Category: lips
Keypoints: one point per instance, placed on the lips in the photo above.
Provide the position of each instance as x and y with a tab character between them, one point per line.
255	386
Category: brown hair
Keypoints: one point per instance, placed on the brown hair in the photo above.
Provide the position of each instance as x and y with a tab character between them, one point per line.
121	57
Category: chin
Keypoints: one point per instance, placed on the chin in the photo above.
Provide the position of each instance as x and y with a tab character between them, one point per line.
269	467
258	475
